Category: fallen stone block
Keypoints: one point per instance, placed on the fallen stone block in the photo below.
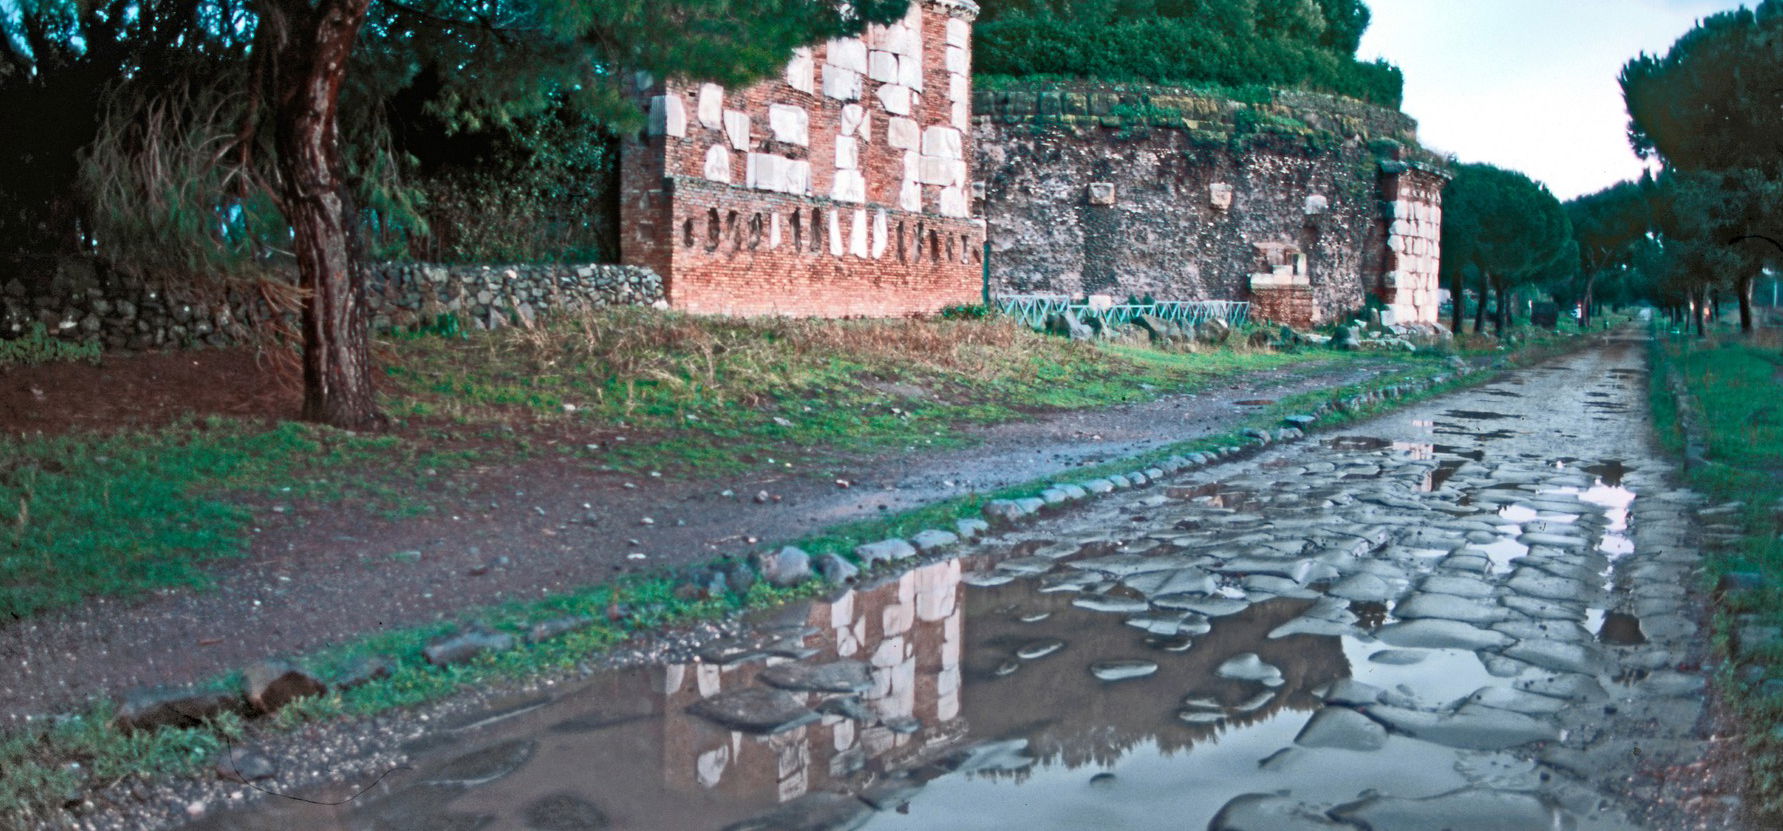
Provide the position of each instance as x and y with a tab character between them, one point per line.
557	627
463	646
933	539
789	566
271	684
150	708
836	570
884	551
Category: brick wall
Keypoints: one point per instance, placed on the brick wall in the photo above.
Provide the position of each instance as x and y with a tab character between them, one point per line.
841	188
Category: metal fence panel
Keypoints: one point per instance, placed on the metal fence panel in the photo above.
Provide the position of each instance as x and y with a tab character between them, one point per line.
1033	310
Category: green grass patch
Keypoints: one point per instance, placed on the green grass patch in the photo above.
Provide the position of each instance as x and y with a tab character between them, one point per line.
1737	383
123	512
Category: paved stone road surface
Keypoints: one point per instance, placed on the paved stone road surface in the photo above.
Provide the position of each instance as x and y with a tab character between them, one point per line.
1472	615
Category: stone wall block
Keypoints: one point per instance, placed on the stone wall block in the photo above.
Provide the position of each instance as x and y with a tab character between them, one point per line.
710	106
902	133
801	71
789	124
736	129
882	67
841	83
942	142
894	98
910	72
847	53
854	116
718	164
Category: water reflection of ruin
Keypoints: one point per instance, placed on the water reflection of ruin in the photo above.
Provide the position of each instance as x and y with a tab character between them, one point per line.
624	743
1069	717
909	630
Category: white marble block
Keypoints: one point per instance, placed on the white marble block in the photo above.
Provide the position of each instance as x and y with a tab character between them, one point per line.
718	164
841	83
882	67
895	99
801	71
789	124
711	106
902	133
736	128
944	142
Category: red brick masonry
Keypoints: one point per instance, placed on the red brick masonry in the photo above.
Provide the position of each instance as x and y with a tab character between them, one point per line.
839	189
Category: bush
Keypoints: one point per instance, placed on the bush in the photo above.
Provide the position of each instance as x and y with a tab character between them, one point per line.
966	311
1207	42
38	347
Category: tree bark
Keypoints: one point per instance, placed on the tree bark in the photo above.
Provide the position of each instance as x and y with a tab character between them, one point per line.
1702	311
1498	320
1457	302
311	51
1479	312
1744	289
1585	314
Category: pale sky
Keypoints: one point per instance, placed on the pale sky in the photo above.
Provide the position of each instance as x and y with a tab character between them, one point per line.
1528	84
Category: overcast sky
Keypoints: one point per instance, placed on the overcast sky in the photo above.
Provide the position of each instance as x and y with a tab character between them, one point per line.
1528	84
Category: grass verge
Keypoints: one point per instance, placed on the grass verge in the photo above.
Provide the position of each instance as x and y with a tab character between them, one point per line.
41	779
1736	382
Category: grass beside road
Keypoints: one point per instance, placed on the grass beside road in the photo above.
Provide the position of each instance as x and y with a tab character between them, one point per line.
120	513
1737	383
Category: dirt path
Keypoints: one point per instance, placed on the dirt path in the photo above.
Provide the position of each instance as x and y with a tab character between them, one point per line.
319	576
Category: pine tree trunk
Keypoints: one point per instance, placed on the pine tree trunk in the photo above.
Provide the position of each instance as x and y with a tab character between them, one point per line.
1479	312
1744	289
313	49
1702	312
1585	314
1498	320
1457	303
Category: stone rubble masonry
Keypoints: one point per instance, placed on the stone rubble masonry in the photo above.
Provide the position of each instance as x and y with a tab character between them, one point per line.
841	188
80	299
1303	206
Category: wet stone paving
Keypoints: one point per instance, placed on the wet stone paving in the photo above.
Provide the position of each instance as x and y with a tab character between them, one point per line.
1471	614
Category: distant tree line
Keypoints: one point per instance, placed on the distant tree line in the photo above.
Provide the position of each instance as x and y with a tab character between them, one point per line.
1308	44
1698	232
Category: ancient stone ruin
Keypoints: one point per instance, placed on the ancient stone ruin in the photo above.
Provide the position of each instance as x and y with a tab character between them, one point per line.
841	188
1305	205
866	180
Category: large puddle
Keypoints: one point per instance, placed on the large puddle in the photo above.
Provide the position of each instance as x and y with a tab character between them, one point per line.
1073	682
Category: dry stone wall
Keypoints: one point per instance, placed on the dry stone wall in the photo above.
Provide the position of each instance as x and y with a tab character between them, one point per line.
841	188
1130	191
80	299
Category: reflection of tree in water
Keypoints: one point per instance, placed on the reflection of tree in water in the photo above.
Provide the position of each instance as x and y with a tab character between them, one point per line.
1072	718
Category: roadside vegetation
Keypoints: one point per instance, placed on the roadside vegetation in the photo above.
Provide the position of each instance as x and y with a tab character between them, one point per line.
1735	383
117	513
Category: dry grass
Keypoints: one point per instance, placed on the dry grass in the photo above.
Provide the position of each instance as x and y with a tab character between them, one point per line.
631	357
